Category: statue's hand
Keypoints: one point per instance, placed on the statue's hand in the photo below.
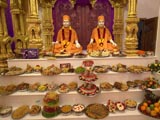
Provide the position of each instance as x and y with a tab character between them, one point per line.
63	50
77	44
113	43
91	41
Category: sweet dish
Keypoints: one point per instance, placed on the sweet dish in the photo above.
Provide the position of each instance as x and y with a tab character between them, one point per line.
130	104
88	76
35	110
120	106
66	109
78	109
88	89
51	107
5	111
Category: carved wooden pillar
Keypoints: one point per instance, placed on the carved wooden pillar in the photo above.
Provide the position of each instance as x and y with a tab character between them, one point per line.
22	26
1	29
118	27
14	11
18	19
5	30
4	38
131	41
47	23
33	25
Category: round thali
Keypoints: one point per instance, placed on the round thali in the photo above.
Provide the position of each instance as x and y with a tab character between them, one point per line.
96	111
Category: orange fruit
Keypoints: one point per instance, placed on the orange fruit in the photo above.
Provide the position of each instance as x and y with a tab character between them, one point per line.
153	113
143	108
156	110
145	104
156	104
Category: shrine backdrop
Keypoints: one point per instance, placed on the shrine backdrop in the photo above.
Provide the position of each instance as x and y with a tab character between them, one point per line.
83	17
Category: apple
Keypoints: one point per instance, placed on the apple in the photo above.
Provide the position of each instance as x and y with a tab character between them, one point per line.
151	106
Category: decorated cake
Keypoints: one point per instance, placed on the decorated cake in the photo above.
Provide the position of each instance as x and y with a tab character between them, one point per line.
88	76
88	89
51	107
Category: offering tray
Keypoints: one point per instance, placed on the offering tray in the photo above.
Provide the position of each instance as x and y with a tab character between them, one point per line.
96	111
63	55
99	54
145	113
80	55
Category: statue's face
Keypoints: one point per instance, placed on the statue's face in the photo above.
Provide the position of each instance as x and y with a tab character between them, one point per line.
66	23
101	23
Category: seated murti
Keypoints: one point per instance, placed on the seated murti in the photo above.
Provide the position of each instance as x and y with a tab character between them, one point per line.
101	39
67	40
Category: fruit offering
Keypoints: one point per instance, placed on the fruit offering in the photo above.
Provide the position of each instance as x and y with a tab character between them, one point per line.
149	83
150	105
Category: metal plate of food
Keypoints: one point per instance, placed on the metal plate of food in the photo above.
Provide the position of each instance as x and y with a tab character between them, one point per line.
63	55
96	111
